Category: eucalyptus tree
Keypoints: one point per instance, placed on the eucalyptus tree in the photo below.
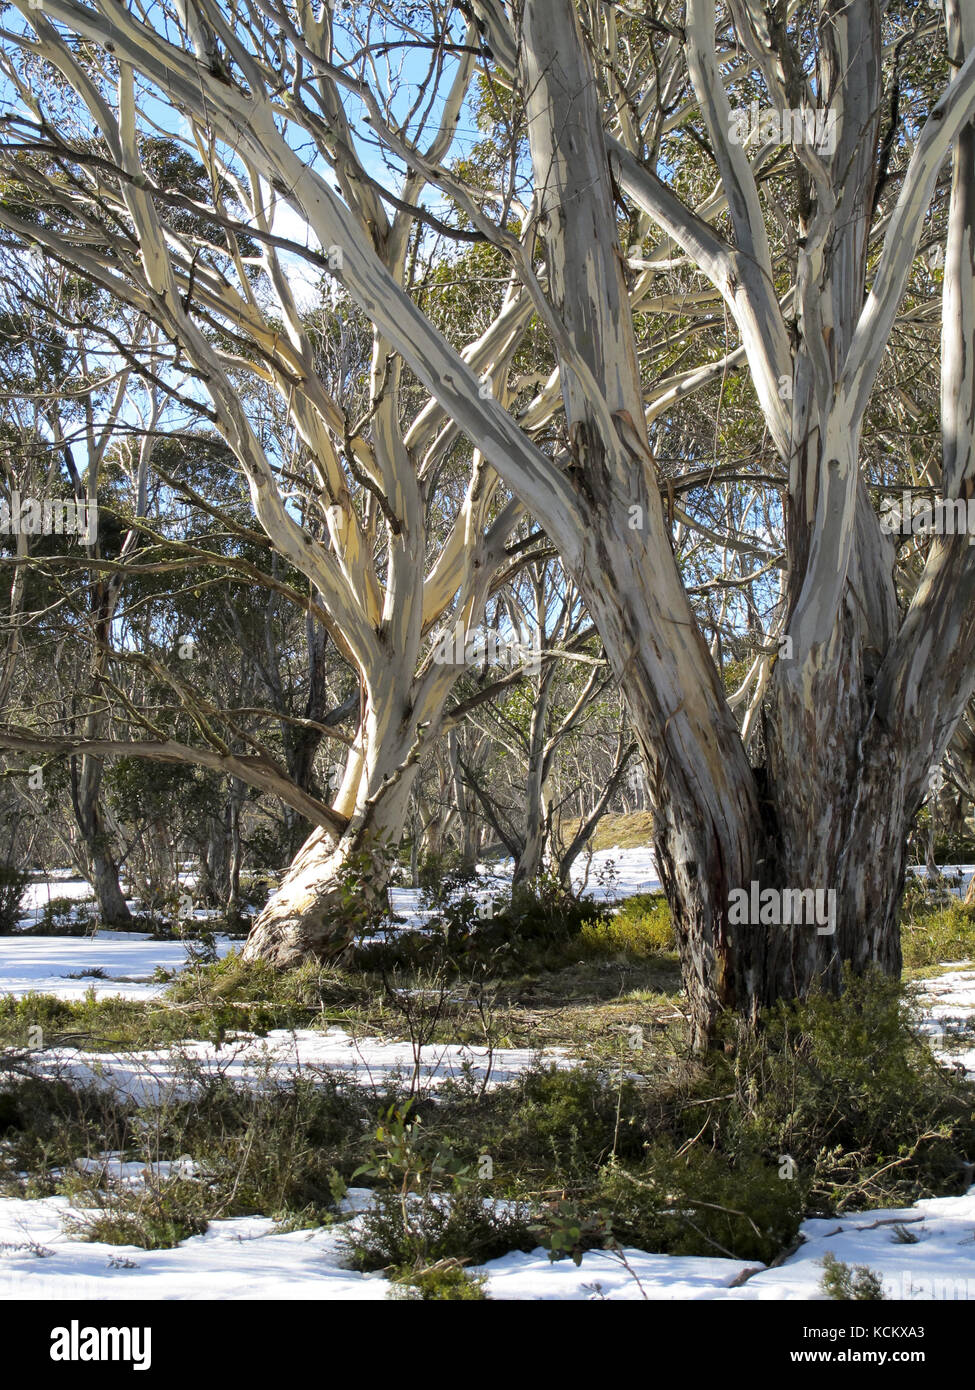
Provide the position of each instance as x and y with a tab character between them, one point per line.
518	787
345	496
66	413
279	102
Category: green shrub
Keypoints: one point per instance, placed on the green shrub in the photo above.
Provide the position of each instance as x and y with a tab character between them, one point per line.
458	1226
43	1012
45	1124
270	1149
275	1148
532	927
940	934
255	995
446	1280
13	886
111	1024
256	888
563	1124
442	878
840	1281
701	1202
639	928
853	1093
954	847
549	1127
571	1228
158	1216
63	917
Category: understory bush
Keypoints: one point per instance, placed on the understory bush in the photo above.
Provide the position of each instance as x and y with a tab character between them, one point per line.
850	1089
831	1106
278	1147
640	927
841	1281
445	1280
13	886
47	1123
155	1216
64	916
254	995
461	1225
942	933
479	924
702	1202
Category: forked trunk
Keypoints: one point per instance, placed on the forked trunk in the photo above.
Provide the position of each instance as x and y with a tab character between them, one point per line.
333	888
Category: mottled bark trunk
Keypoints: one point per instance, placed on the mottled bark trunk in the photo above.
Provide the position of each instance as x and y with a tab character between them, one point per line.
709	836
333	888
708	830
464	805
849	838
112	907
222	854
530	861
102	868
827	815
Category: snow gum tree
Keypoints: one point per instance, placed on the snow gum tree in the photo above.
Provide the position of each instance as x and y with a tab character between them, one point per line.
809	247
389	559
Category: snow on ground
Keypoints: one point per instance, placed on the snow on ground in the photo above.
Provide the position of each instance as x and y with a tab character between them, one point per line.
135	1174
249	1258
63	965
949	1016
151	1077
615	873
941	1264
239	1258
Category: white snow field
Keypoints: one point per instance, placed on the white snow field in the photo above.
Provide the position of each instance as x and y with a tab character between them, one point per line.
157	1076
122	963
246	1258
250	1258
64	965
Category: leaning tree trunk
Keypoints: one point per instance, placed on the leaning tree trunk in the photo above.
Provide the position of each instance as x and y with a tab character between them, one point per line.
464	805
334	887
102	868
531	859
708	825
830	812
337	883
112	906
